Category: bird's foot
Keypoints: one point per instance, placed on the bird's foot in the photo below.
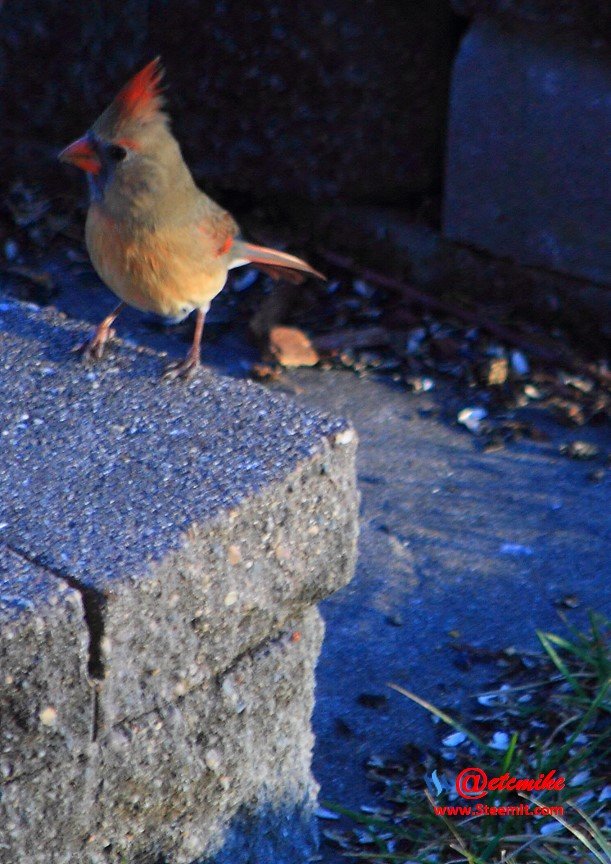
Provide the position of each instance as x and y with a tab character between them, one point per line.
93	349
184	369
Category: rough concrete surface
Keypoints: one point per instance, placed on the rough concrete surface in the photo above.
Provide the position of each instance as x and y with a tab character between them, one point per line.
170	784
239	511
173	779
533	184
198	525
46	702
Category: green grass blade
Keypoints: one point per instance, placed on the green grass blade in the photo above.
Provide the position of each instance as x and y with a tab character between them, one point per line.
594	705
432	709
509	753
559	663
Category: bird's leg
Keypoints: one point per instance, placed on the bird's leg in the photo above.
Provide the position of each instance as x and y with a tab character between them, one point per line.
187	367
93	349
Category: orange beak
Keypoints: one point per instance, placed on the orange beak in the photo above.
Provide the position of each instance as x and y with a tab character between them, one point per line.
81	154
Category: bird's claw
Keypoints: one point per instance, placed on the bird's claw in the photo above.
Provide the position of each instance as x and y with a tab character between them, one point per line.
184	369
93	349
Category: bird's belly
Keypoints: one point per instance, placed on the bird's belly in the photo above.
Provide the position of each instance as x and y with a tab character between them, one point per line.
152	272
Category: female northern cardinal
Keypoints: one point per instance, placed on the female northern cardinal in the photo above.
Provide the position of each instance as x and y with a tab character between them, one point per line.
156	239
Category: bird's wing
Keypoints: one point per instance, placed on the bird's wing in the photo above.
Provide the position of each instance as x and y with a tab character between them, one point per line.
216	228
218	235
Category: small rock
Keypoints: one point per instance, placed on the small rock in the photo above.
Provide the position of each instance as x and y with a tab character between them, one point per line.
500	741
420	385
48	716
579	450
532	392
282	553
344	437
231	598
519	363
454	739
496	371
212	758
234	556
495	442
472	418
323	813
568	413
582	384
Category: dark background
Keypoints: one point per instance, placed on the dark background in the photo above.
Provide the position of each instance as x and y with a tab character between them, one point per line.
317	101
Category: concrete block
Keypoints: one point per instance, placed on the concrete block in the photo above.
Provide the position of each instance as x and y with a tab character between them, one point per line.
528	149
215	504
46	816
173	781
225	768
46	705
194	527
45	697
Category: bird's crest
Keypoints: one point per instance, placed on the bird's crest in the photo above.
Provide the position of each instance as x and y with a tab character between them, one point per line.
139	102
141	98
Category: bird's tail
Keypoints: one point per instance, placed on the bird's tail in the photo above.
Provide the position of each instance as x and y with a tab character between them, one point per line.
279	265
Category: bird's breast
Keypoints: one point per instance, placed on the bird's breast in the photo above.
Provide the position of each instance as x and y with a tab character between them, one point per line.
164	271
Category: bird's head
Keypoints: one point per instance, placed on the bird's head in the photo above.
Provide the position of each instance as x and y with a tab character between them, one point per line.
129	154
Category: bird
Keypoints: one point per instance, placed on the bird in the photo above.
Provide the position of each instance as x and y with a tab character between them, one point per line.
154	237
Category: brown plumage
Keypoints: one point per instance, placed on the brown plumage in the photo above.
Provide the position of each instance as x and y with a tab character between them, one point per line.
160	243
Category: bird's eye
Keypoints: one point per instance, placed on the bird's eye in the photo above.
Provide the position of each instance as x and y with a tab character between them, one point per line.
116	152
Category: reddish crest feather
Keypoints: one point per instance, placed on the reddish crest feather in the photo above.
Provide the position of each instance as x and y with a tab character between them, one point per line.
141	97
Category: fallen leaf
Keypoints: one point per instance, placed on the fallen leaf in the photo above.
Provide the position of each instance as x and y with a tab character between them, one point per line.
291	347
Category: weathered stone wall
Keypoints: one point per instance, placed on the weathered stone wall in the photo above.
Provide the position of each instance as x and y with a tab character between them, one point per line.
528	147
